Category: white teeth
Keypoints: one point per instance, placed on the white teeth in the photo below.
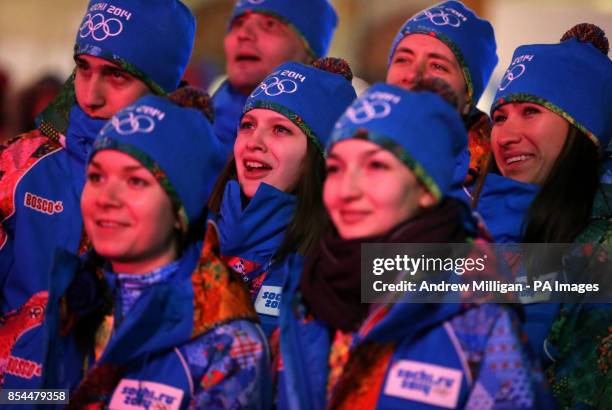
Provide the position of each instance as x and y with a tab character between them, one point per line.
253	164
516	159
108	224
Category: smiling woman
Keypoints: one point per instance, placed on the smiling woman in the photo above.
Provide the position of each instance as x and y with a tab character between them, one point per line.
120	199
270	191
269	149
142	208
550	143
527	140
546	140
389	179
368	190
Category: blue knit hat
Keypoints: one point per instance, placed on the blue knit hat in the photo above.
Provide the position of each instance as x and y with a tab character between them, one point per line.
572	79
177	145
151	39
313	20
470	38
420	128
310	97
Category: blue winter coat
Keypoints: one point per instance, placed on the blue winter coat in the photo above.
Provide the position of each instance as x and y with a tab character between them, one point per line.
443	355
228	105
188	341
42	174
503	205
250	238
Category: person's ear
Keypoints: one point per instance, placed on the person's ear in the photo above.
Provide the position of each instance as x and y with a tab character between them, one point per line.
465	110
178	225
426	198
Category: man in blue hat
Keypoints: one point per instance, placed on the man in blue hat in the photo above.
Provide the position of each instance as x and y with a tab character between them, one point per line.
42	172
263	34
449	41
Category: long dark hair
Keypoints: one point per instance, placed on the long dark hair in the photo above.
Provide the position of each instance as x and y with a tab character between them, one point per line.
310	218
562	207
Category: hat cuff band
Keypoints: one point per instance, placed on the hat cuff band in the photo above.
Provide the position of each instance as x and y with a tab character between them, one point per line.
396	149
525	97
292	116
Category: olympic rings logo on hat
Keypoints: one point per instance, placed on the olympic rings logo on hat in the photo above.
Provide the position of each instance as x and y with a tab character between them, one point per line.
241	3
511	74
99	27
365	111
130	123
439	17
274	86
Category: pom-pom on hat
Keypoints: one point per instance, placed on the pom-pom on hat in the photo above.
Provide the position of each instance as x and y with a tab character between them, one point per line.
312	97
151	39
572	78
470	38
421	129
313	20
176	144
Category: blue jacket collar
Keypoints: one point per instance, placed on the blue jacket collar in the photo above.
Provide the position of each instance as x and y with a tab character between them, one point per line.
255	232
161	318
81	133
228	104
503	205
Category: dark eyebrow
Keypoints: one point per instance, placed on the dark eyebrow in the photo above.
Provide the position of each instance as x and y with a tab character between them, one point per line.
130	168
441	57
429	55
365	154
111	69
372	151
405	50
133	168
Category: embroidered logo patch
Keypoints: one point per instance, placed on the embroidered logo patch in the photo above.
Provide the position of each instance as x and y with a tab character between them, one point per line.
516	70
103	21
23	368
138	394
40	204
268	300
373	106
132	120
240	265
425	383
442	16
280	82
